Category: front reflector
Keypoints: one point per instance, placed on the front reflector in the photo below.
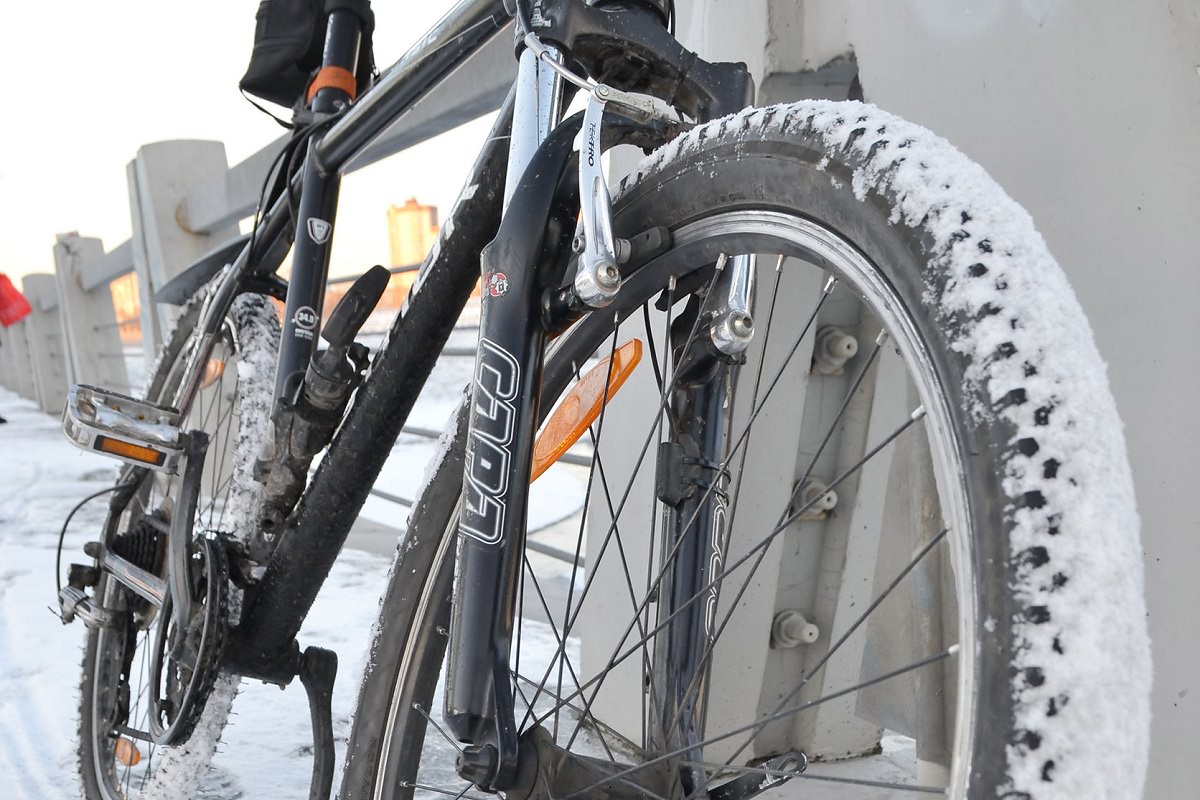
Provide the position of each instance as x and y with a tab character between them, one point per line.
580	407
135	452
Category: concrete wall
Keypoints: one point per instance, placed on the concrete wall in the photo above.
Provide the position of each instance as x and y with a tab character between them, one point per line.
1088	114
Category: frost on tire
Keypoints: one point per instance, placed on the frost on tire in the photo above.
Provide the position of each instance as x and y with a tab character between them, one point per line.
1080	667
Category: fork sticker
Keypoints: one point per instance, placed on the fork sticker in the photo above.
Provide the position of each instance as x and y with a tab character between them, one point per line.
489	448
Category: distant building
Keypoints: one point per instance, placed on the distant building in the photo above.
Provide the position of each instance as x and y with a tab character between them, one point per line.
128	308
412	230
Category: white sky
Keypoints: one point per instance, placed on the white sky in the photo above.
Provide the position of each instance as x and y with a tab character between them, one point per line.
90	82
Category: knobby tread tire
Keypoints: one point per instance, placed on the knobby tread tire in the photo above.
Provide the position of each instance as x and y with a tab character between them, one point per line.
256	326
1062	652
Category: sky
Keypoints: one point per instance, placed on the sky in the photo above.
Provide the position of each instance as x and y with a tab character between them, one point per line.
92	82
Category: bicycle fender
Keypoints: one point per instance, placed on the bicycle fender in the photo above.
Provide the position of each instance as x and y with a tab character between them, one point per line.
180	289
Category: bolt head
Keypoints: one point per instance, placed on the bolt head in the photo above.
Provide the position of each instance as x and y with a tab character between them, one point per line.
741	324
578	243
608	276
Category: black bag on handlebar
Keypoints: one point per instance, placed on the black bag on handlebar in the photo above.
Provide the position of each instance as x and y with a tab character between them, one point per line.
288	38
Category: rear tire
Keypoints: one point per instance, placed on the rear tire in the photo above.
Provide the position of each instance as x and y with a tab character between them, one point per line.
1027	461
233	410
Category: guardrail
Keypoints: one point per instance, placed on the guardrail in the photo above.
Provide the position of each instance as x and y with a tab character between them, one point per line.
185	200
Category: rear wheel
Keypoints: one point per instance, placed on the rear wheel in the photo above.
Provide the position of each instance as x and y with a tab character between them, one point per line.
128	670
918	354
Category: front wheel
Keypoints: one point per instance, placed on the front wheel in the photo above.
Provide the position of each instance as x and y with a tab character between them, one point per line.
931	533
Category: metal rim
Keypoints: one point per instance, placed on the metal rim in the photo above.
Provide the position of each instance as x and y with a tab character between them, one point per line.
775	232
208	515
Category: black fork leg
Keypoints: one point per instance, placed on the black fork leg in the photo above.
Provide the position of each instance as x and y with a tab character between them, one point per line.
504	416
696	540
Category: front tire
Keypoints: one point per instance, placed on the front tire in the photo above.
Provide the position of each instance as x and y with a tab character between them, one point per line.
1021	461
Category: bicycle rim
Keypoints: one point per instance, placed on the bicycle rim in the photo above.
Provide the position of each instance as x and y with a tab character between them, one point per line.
567	684
121	671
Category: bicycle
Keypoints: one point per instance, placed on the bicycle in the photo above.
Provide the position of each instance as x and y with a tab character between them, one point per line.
937	395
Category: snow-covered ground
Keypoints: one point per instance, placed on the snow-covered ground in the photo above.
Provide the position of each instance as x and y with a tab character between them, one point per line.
41	478
266	749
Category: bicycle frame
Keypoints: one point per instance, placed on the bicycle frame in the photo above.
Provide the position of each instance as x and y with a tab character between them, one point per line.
505	412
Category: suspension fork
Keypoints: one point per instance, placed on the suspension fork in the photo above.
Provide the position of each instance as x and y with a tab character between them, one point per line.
504	412
692	484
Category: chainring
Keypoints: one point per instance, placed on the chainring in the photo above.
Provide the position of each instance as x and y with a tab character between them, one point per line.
184	663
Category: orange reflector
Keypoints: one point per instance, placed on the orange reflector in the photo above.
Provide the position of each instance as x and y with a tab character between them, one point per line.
128	450
580	407
126	752
213	371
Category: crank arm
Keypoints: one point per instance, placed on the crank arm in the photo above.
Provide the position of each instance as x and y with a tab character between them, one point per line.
144	584
183	518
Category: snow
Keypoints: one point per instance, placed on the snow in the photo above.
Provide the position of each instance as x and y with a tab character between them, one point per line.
1083	638
265	750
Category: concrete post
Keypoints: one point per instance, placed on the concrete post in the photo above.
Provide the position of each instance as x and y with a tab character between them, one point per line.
89	322
49	364
8	362
17	339
159	179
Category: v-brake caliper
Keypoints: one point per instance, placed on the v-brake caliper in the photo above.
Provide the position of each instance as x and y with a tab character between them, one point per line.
597	277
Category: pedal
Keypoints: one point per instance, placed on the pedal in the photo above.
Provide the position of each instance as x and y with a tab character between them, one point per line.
127	429
74	602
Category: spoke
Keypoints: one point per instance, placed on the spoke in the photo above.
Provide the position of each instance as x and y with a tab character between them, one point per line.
787	712
694	684
647	698
646	660
744	436
593	468
895	787
746	581
833	648
916	415
612	733
231	422
658	378
858	379
663	399
438	728
562	658
216	475
669	558
567	619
